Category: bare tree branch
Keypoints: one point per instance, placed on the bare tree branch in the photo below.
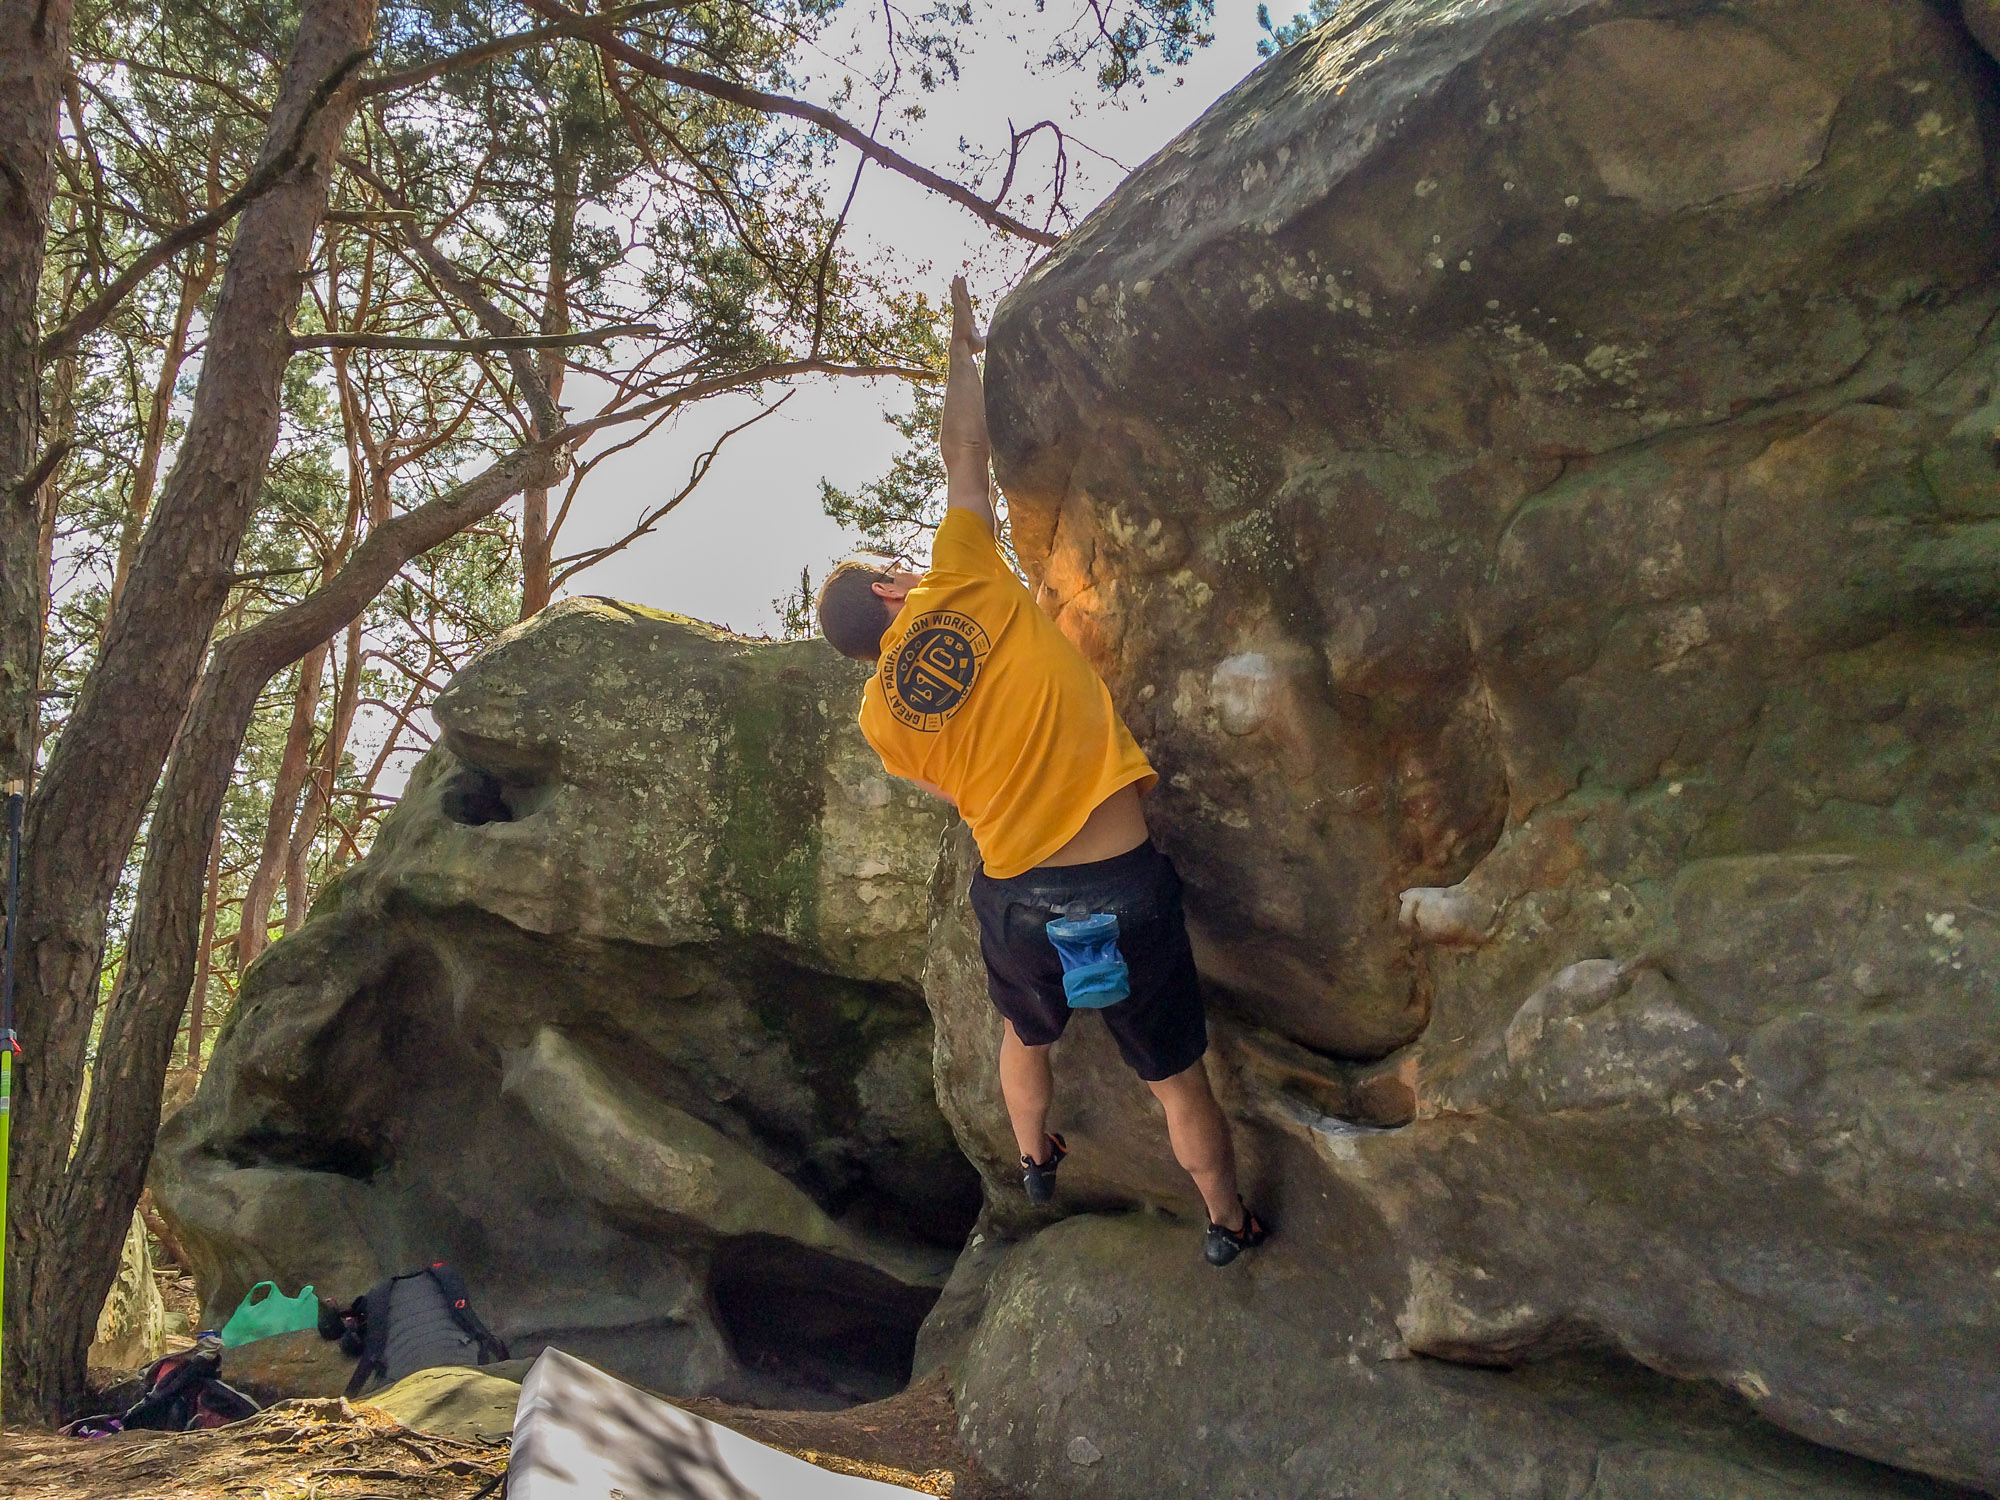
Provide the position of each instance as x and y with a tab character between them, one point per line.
444	346
696	473
471	57
47	464
602	34
1019	138
757	375
547	415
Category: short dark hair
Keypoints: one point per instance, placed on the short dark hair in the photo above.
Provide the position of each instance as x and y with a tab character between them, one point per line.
852	616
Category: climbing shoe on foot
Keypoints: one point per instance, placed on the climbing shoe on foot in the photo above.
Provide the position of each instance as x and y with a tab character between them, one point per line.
1224	1245
1039	1177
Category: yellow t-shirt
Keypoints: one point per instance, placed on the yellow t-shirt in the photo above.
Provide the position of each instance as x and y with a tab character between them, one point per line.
981	695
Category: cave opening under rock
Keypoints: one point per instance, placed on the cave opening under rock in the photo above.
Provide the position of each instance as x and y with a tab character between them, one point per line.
824	1331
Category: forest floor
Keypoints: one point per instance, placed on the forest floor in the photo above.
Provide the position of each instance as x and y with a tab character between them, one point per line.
329	1450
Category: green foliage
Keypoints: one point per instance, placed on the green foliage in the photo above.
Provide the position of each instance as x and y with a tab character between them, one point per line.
795	610
572	194
1284	34
897	514
1123	44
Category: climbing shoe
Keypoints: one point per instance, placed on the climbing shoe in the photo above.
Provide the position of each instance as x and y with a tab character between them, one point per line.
1039	1177
1224	1245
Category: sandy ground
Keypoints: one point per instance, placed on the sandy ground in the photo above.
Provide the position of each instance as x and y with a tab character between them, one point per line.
329	1450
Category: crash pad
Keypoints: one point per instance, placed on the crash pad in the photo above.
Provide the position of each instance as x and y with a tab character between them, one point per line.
454	1401
579	1434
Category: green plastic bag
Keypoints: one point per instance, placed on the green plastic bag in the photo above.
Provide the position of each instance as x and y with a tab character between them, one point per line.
276	1313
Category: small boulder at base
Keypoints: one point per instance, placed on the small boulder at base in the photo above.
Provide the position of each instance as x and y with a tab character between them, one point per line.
288	1367
454	1402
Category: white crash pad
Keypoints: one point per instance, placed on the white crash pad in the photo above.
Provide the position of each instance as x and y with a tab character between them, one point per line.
581	1435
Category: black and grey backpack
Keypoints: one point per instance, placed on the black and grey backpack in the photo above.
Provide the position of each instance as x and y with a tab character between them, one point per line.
413	1322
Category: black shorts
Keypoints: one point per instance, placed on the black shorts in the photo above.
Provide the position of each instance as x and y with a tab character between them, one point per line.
1160	1028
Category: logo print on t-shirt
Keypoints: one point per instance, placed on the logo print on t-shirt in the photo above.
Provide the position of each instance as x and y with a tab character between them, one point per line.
932	672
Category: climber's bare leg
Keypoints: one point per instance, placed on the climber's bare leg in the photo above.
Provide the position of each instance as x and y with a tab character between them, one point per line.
1027	1084
1201	1141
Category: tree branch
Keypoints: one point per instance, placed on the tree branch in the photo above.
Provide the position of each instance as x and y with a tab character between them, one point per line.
262	180
47	464
445	346
288	634
471	57
600	33
236	579
697	472
757	375
500	327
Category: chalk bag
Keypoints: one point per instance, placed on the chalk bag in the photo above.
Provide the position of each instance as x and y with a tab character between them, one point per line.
1094	973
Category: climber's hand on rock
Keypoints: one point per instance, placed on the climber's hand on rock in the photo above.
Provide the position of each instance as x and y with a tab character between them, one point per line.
963	328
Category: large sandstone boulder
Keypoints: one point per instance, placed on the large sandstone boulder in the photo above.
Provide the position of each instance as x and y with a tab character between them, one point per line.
1982	18
622	1016
1113	1363
1528	472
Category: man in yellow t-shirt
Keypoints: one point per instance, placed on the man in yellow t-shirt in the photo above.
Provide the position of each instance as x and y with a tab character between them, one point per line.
979	698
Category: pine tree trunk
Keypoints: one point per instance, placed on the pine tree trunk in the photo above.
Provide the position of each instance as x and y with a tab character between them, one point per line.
121	1124
537	540
319	792
205	954
34	60
193	284
535	552
68	1217
58	433
253	933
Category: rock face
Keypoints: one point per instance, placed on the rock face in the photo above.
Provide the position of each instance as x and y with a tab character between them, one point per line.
621	1015
1982	18
1280	1383
1528	471
132	1324
1565	611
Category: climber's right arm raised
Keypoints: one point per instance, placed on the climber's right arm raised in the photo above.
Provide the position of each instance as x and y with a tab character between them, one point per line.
968	457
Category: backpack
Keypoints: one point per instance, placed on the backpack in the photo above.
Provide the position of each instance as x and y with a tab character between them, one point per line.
183	1392
416	1321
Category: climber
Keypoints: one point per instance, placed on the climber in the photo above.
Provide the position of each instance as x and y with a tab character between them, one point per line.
979	699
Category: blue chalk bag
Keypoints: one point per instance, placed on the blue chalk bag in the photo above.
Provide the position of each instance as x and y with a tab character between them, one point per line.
1094	973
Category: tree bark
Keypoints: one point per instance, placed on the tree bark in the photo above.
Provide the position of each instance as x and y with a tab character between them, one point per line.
193	284
34	60
205	951
537	541
58	437
158	1228
122	1120
319	791
253	933
66	1224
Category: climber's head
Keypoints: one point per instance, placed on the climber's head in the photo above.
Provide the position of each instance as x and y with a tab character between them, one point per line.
859	600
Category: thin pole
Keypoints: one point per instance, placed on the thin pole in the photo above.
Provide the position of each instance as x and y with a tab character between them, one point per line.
9	1044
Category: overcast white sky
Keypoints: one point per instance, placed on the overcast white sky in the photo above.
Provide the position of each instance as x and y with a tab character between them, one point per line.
739	541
